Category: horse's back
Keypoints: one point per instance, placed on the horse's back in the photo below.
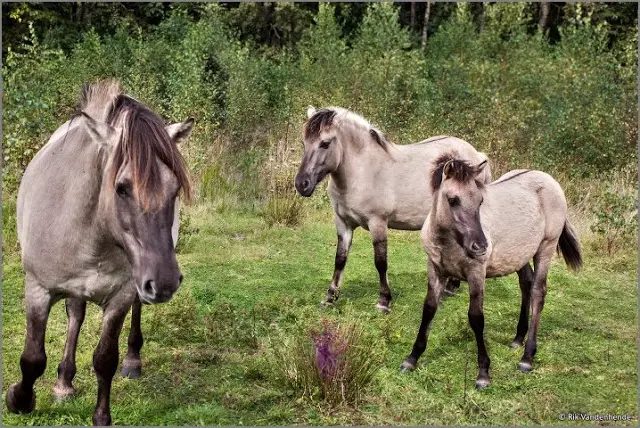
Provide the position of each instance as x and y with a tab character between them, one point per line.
522	208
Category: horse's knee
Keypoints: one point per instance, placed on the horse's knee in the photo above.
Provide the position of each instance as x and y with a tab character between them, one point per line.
105	363
33	364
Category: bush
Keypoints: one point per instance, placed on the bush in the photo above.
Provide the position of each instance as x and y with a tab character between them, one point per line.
504	88
616	220
332	362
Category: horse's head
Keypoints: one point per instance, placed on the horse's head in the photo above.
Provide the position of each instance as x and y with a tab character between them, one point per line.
143	177
459	194
322	150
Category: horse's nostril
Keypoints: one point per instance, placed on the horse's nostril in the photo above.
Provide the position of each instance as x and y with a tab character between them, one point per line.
474	247
180	279
149	288
305	184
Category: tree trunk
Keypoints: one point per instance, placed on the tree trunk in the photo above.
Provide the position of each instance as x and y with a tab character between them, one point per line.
425	25
481	17
543	22
413	15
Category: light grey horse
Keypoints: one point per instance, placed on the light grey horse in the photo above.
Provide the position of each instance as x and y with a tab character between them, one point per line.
76	309
374	184
95	213
475	231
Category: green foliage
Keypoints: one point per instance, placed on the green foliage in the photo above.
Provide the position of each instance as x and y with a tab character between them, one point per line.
616	220
566	107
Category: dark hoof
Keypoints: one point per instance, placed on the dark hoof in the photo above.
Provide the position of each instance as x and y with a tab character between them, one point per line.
62	392
516	344
131	369
382	307
101	419
407	366
19	402
525	367
327	303
482	383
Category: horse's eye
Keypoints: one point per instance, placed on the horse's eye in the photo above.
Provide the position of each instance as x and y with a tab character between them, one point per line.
325	144
122	189
454	201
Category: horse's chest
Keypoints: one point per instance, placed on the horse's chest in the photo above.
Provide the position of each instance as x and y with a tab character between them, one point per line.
350	211
451	263
96	286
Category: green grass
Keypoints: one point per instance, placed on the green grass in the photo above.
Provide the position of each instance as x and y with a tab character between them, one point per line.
208	354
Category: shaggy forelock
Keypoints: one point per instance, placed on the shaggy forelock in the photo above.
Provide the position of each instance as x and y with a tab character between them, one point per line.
458	170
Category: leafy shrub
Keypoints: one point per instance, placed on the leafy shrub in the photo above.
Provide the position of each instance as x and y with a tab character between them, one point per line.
504	88
332	362
616	220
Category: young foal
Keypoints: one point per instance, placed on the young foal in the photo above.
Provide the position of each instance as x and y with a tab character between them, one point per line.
476	231
95	211
374	184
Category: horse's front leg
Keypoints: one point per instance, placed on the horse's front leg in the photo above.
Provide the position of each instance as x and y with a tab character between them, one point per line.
429	308
21	397
476	320
378	229
132	364
345	236
76	309
105	359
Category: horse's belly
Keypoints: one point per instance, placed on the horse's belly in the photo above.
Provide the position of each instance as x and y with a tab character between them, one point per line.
505	260
406	217
408	220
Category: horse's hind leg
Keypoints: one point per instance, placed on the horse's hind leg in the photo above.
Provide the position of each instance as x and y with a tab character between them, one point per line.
452	287
541	262
21	397
132	364
525	278
345	236
76	309
105	360
378	229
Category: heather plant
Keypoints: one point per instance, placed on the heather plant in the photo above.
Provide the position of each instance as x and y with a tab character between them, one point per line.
331	362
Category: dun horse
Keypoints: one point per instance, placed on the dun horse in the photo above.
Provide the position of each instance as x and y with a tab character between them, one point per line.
76	308
374	184
475	231
95	214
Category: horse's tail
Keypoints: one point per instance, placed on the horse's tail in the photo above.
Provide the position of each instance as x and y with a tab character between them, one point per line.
569	246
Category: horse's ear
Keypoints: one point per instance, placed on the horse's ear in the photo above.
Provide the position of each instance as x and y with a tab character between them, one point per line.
100	131
311	110
378	138
483	170
181	130
446	169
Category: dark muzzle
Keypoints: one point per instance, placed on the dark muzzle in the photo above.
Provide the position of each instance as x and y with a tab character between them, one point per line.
304	185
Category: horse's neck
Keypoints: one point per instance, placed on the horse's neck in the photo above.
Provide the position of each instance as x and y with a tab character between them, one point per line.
360	160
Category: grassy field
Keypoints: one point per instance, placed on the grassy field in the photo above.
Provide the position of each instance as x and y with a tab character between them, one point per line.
208	356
